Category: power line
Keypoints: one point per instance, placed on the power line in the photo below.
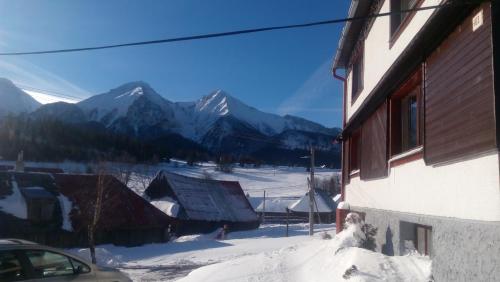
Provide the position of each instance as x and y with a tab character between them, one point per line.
229	33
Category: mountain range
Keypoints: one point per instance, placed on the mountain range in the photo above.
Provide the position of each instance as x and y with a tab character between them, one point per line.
218	122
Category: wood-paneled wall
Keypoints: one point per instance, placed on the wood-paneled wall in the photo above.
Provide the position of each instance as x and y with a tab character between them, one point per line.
459	97
374	145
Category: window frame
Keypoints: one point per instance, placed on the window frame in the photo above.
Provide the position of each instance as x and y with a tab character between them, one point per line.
357	73
30	269
411	87
404	20
355	152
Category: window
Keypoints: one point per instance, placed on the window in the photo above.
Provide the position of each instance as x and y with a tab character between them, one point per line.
355	151
357	75
415	238
49	264
424	240
397	19
79	267
406	116
10	267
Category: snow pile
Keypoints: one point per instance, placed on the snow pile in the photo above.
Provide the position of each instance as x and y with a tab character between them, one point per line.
66	207
15	203
167	205
199	237
318	260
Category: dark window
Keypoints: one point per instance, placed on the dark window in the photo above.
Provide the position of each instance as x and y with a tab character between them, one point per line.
406	116
355	151
409	122
10	267
49	264
357	76
397	18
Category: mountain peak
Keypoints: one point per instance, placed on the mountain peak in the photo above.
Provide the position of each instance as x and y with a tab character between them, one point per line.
218	102
14	100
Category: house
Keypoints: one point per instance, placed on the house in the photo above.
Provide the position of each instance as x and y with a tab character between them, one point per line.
324	207
421	130
274	209
56	209
202	205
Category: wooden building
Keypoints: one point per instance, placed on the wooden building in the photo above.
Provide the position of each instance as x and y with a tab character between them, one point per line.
203	205
57	209
421	130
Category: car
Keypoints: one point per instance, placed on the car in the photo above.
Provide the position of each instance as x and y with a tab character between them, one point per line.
22	260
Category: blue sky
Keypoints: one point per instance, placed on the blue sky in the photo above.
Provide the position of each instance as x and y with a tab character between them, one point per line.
284	72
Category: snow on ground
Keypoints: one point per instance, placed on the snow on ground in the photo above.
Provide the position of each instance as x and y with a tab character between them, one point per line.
14	203
264	254
279	181
317	259
172	260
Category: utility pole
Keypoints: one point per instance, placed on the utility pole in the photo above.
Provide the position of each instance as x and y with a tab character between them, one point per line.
311	195
264	208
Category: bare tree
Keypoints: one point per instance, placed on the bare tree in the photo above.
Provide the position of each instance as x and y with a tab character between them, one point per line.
123	168
144	175
103	182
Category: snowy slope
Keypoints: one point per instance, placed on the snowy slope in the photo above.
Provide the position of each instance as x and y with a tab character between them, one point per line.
219	104
110	106
14	100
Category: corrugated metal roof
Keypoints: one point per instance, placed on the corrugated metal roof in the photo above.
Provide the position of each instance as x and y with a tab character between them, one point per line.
209	200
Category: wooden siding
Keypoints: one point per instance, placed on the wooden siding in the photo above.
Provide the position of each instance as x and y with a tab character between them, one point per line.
459	104
345	162
374	145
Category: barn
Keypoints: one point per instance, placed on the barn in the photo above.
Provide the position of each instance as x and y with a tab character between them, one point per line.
56	209
202	205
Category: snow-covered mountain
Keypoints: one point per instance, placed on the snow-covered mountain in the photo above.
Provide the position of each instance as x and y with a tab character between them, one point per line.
14	100
132	108
218	121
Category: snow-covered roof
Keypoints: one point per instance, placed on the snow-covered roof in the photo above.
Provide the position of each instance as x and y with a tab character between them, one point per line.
277	205
337	197
323	203
201	199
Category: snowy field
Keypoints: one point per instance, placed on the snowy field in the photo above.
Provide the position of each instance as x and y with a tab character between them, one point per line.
264	254
279	181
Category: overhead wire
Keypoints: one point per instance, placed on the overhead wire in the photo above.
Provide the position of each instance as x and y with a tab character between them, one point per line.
230	33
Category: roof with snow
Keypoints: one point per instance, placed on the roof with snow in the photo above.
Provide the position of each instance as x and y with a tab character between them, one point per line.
276	205
121	208
323	203
201	199
76	195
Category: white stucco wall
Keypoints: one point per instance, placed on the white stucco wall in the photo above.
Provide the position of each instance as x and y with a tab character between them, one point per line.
377	54
468	189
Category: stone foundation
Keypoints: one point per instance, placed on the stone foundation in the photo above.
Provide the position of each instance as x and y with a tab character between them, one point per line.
461	250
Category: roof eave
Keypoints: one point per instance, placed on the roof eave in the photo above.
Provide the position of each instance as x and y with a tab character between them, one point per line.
350	32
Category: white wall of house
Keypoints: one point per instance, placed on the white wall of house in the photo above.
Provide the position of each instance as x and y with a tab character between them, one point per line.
468	189
378	57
